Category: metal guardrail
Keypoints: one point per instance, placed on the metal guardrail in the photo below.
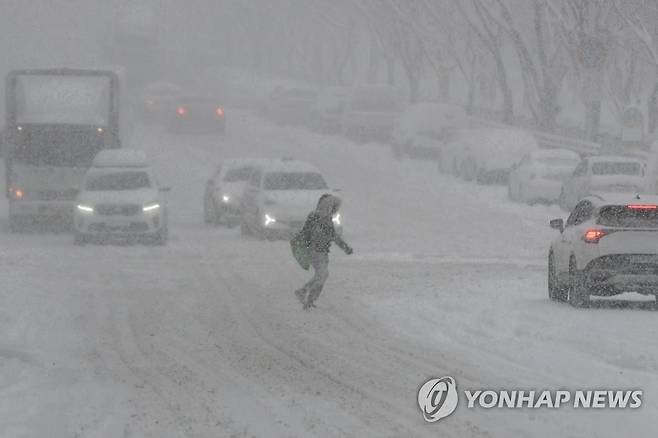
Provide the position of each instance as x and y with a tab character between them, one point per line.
544	140
583	147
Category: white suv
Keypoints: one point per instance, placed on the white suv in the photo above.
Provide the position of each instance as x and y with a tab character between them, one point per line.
609	245
120	197
279	196
603	174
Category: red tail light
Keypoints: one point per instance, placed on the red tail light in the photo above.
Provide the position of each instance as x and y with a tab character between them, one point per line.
642	207
220	112
593	235
181	111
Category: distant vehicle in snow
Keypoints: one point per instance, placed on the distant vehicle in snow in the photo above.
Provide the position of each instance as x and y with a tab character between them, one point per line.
608	245
604	173
57	120
279	196
423	129
371	113
326	115
158	99
120	198
197	114
486	155
290	105
224	189
539	176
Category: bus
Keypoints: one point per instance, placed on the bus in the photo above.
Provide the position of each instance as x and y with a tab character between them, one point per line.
56	121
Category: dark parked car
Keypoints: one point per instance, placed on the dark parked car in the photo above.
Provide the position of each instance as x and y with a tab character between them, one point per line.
198	114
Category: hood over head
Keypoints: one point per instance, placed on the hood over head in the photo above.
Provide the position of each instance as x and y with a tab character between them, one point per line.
328	205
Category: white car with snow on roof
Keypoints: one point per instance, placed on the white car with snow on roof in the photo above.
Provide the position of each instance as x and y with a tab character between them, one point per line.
120	198
279	196
603	173
539	176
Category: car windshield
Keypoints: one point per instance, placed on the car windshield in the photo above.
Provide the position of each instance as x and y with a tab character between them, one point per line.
617	168
627	217
118	181
557	161
238	174
294	181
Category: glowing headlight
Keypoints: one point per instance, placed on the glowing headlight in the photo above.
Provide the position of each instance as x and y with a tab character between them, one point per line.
336	219
226	198
86	208
269	219
150	207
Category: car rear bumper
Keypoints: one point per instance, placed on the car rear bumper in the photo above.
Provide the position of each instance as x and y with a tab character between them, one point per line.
614	274
197	125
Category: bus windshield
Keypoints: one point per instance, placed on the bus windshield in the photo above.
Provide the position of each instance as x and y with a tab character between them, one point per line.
62	99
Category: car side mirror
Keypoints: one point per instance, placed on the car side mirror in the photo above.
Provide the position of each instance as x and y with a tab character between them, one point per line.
165	189
557	224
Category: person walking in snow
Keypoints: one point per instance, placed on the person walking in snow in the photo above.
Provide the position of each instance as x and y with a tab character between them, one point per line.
317	234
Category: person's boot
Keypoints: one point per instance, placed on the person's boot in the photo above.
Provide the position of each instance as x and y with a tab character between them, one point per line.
301	295
313	295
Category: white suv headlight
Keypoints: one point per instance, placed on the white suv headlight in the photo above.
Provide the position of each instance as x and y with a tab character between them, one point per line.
85	208
336	219
269	219
150	207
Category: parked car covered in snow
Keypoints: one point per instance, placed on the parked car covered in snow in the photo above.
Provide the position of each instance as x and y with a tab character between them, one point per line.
290	105
326	116
539	176
423	129
605	173
371	112
486	155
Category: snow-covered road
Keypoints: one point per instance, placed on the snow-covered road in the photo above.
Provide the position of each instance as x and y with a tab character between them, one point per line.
204	338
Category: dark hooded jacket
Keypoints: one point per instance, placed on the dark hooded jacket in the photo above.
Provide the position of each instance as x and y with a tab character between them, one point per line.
319	231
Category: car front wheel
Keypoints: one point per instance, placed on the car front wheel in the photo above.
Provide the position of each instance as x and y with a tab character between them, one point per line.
209	211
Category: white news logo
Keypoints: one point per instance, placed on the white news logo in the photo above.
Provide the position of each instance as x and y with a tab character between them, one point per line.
437	398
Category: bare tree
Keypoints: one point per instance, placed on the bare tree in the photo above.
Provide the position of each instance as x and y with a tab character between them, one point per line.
489	32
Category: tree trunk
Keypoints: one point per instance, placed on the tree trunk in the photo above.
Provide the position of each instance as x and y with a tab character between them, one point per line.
390	71
507	107
444	85
652	109
414	88
593	113
548	109
373	60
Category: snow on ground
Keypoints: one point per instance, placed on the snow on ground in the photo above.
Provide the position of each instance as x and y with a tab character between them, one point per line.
203	338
